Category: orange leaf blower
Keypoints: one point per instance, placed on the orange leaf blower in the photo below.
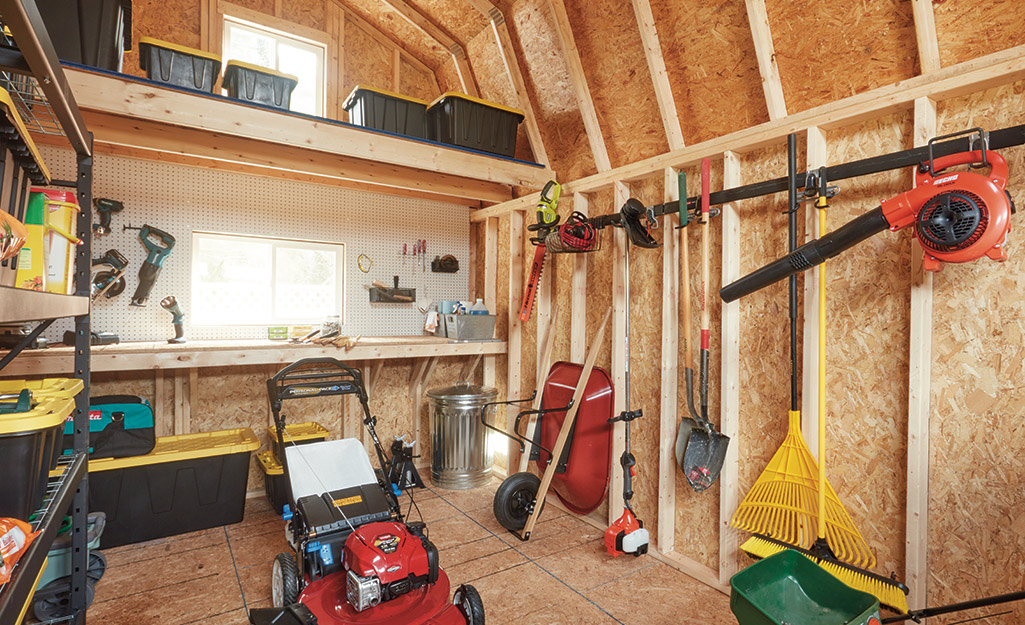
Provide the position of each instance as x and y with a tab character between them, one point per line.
958	217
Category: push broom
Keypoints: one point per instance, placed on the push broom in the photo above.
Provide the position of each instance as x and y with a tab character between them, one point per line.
792	505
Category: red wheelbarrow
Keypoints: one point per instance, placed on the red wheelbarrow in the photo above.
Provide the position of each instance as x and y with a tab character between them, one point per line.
572	428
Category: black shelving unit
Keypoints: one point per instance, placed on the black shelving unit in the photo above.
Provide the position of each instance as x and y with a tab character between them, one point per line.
31	73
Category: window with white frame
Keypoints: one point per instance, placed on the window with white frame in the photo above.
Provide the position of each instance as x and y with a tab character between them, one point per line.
274	49
249	280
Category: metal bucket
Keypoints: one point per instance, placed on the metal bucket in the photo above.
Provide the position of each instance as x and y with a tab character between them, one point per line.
460	457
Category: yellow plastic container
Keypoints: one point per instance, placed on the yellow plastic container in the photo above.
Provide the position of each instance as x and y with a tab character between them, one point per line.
61	213
64	388
298	433
273	479
27	448
187	483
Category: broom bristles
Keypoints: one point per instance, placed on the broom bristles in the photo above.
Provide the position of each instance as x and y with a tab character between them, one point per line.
889	592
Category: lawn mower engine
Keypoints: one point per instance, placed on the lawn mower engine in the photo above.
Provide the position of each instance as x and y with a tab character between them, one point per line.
386	560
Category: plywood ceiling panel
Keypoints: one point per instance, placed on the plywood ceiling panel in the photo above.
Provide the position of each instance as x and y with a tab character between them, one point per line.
416	83
371	67
305	12
457	17
617	74
448	75
546	75
967	29
831	49
387	20
489	69
710	57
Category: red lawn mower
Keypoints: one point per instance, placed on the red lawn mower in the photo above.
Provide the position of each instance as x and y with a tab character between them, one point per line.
355	560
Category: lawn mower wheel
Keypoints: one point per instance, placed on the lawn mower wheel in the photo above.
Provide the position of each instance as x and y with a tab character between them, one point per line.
469	602
284	581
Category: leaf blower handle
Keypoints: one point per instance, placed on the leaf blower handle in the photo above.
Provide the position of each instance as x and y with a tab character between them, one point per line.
808	255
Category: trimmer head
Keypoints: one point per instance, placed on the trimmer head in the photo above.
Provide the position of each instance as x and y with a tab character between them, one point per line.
627	535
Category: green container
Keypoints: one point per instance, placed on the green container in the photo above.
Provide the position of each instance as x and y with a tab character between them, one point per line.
789	589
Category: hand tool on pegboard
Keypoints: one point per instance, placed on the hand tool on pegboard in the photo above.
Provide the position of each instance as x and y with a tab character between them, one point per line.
157	252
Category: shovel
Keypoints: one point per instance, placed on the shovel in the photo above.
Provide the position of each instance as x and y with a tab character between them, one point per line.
704	448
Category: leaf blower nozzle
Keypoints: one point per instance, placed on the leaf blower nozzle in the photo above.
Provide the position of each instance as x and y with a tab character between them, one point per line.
958	217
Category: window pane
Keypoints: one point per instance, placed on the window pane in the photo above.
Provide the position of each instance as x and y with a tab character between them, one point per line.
250	46
306	284
232	283
302	63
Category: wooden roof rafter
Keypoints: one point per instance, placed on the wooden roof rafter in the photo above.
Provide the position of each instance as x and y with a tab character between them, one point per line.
925	33
772	85
564	30
659	75
436	33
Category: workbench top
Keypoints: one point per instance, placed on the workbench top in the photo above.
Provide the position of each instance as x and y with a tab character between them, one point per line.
219	353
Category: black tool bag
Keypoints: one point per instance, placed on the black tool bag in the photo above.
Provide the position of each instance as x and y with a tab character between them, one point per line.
119	426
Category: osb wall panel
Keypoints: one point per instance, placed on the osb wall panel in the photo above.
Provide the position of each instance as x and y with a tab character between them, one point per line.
713	71
866	361
415	83
697	514
263	6
489	70
617	75
232	397
386	20
150	19
532	29
305	12
372	66
459	19
960	25
977	450
645	313
826	51
763	379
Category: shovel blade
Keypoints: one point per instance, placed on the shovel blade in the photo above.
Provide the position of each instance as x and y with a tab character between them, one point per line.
683	436
703	457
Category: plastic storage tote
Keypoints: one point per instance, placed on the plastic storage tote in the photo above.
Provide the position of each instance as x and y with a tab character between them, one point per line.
178	65
465	121
60	388
260	85
90	32
187	483
27	431
384	110
273	480
298	433
789	588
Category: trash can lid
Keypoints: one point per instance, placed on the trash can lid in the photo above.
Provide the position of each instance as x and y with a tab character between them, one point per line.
464	391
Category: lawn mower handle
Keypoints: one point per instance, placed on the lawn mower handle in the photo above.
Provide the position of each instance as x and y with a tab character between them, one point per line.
809	255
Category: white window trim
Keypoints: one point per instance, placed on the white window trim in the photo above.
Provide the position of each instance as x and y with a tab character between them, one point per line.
323	48
294	243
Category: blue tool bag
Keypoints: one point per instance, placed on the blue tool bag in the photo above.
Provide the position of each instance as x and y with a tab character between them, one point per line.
119	426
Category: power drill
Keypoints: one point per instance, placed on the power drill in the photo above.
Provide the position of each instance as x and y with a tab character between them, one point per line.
170	304
104	209
155	258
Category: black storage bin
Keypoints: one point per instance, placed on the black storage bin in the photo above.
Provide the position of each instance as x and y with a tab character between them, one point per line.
384	110
27	431
187	483
252	83
468	122
273	480
178	65
89	32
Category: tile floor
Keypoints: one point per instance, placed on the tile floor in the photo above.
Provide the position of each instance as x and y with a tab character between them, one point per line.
562	575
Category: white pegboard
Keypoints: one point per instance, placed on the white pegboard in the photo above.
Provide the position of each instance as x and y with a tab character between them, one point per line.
181	200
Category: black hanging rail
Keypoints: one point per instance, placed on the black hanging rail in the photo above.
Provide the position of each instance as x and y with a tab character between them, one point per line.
998	139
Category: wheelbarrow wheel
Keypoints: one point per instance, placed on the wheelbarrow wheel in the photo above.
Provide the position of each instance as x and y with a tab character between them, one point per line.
468	600
515	500
284	581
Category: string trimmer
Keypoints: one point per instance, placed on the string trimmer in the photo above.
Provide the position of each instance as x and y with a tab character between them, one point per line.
958	217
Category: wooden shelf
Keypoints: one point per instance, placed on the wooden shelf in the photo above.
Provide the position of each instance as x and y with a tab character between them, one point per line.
20	305
139	118
162	355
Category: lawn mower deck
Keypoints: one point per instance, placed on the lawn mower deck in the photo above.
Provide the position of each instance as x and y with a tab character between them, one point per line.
354	560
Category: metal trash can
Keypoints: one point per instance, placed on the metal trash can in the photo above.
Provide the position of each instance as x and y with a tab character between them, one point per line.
460	457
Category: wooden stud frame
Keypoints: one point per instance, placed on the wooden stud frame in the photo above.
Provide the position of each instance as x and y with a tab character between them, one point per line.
816	157
659	75
766	55
669	421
